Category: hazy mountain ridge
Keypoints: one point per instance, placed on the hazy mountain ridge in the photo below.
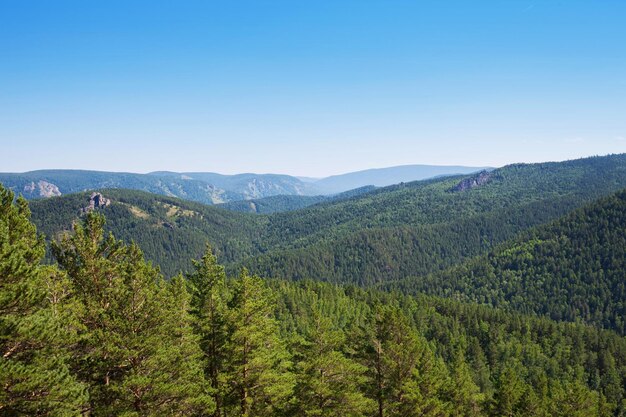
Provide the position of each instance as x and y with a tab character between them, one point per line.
61	182
204	187
248	184
382	177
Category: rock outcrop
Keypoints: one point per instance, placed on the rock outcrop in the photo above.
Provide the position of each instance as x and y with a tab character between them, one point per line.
482	178
96	201
42	189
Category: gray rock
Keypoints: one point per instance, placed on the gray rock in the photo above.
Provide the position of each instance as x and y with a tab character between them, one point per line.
96	201
482	178
42	189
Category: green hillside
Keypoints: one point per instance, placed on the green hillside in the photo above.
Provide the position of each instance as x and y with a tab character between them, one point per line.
274	204
109	335
389	233
499	363
170	231
571	269
282	203
421	227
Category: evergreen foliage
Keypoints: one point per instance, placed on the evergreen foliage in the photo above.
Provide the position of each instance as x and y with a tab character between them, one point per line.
571	269
210	312
34	376
134	346
411	229
330	382
258	365
106	334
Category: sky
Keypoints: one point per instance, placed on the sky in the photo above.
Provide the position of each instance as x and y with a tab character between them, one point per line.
309	88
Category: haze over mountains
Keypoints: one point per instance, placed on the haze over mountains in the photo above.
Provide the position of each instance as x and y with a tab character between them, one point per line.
213	188
382	177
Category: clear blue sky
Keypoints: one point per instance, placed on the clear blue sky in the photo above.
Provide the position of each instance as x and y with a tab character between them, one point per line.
308	87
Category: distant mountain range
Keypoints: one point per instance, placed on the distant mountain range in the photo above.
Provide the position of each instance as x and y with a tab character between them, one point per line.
51	183
212	188
382	177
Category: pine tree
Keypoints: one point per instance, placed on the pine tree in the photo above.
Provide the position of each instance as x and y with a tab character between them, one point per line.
188	390
424	393
132	328
510	388
534	402
408	379
34	376
466	396
572	398
258	368
329	382
209	309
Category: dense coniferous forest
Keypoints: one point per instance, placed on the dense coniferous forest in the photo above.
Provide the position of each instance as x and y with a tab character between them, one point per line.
170	231
282	203
386	234
274	204
571	269
100	332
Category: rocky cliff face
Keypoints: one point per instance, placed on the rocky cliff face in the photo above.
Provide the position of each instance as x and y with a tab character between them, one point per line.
96	201
259	188
477	180
41	189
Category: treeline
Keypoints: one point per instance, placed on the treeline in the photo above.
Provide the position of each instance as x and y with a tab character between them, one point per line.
102	333
571	269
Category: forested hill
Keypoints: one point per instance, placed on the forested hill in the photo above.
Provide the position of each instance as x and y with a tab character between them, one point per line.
281	203
390	233
417	228
169	230
50	183
101	333
571	269
274	204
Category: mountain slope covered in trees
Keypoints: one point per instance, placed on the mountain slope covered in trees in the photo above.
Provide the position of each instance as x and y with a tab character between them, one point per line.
282	203
209	344
418	228
386	234
49	183
169	230
571	269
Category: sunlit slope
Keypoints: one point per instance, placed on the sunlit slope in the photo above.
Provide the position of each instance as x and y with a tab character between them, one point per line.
389	233
571	269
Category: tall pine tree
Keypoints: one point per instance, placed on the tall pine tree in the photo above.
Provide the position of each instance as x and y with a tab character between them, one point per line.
209	308
408	379
34	377
329	382
132	329
259	367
